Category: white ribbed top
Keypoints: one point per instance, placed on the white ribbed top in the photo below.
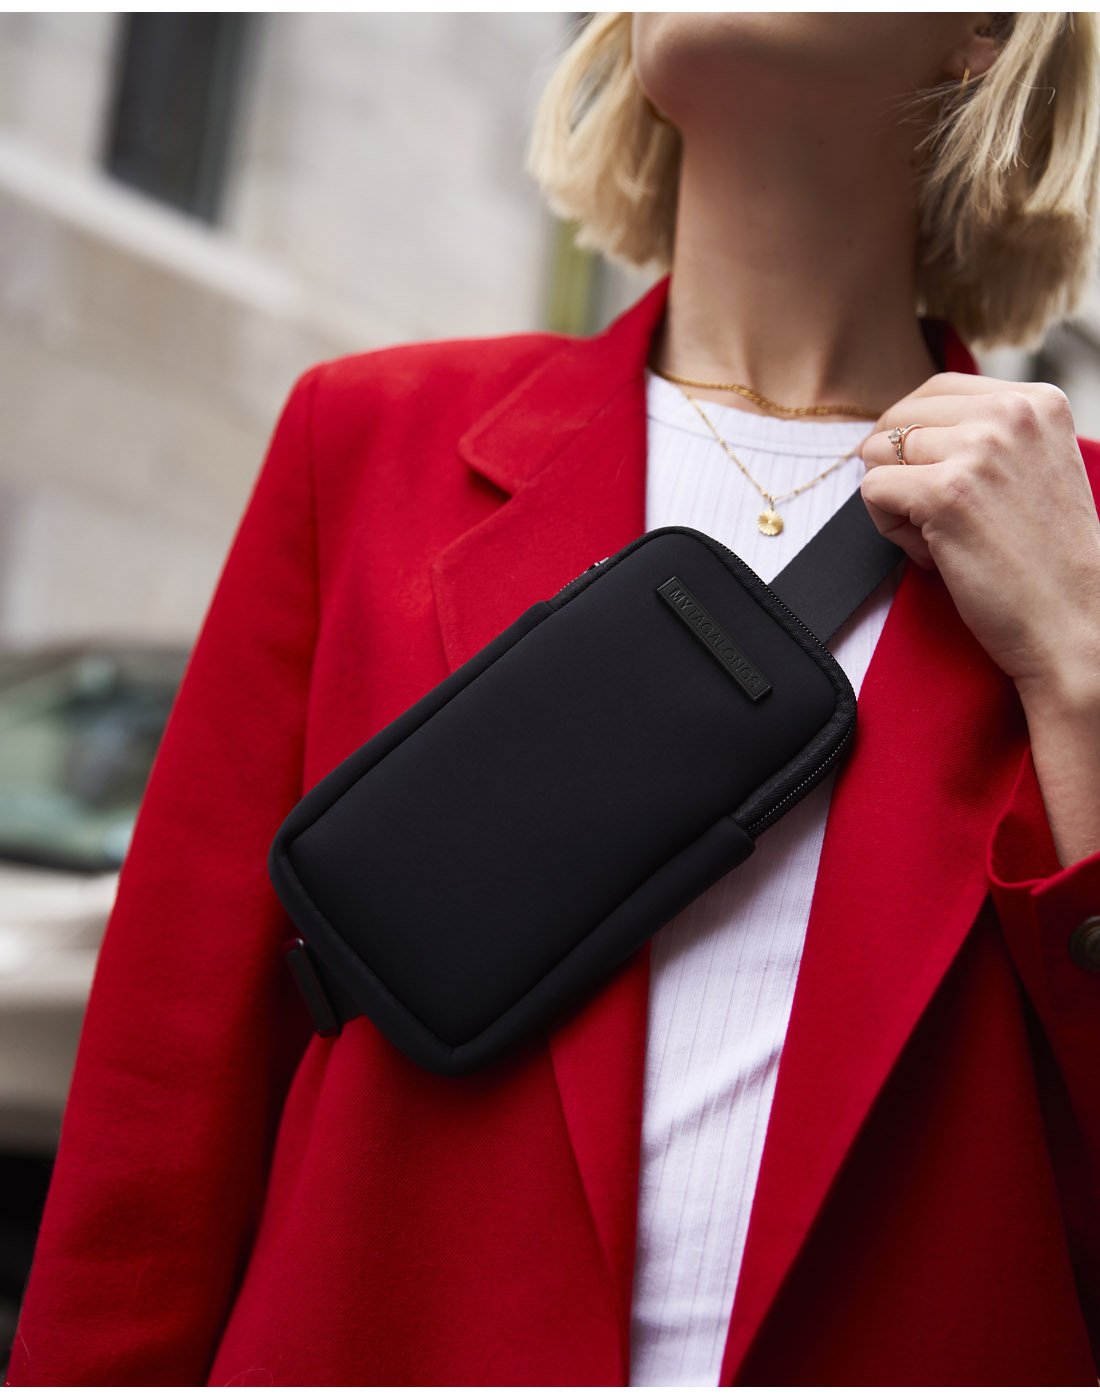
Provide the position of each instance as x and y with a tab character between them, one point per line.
724	970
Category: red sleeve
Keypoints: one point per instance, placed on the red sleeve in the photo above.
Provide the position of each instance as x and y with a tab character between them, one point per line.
193	1028
1041	904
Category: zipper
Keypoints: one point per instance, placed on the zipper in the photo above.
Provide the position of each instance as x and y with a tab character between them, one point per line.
773	813
583	579
592	566
568	589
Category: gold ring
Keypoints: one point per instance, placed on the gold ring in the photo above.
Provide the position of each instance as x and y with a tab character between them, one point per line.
897	437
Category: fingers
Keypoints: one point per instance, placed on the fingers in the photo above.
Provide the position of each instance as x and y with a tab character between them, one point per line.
894	524
903	495
956	382
955	398
923	445
953	382
940	409
906	537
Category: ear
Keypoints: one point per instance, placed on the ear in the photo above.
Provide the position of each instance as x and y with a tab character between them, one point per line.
977	51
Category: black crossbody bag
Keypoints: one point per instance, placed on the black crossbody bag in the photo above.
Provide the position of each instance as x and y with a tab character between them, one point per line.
491	856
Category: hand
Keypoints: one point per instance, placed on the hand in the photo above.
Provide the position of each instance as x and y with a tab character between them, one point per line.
995	496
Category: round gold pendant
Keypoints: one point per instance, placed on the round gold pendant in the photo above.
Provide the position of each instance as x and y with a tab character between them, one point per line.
770	522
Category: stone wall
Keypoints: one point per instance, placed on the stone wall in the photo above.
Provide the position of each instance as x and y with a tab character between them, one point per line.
375	195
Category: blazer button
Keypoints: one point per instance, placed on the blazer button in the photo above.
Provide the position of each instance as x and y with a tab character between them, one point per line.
1084	944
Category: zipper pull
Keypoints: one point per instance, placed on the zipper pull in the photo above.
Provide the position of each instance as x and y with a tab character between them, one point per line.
595	565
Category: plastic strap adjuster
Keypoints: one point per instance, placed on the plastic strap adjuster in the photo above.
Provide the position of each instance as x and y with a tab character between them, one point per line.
313	993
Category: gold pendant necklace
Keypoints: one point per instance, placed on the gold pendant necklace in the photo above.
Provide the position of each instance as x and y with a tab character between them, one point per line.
768	522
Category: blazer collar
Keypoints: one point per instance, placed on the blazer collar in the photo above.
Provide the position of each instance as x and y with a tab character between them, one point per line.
512	443
939	740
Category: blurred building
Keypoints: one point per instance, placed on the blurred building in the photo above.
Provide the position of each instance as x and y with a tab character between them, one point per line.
195	207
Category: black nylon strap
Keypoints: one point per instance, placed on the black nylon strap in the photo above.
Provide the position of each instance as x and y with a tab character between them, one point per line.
836	570
823	585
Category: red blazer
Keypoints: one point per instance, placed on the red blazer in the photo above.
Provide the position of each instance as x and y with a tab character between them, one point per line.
238	1200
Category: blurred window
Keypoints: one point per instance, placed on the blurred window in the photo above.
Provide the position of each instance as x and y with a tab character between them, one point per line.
176	84
78	734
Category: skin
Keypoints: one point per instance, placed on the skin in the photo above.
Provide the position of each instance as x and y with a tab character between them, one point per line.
792	272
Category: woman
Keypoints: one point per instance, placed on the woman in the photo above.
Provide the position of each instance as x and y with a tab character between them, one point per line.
239	1200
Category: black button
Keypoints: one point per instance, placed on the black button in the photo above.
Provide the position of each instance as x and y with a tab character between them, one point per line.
1084	944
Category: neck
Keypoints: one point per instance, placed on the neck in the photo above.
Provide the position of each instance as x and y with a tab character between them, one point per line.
792	273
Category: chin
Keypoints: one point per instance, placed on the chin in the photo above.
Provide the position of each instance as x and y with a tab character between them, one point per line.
712	64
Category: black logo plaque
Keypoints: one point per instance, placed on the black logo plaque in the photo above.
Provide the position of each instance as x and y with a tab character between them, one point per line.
695	617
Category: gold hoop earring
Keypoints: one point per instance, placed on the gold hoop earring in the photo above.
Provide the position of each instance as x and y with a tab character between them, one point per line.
965	78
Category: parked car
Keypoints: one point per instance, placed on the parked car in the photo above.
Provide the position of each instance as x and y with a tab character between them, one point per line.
79	728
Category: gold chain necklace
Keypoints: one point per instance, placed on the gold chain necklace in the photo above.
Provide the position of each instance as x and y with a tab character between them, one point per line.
779	410
769	522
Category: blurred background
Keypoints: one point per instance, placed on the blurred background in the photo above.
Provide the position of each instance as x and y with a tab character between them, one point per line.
195	207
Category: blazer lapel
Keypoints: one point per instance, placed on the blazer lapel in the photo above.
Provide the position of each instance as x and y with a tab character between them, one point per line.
902	871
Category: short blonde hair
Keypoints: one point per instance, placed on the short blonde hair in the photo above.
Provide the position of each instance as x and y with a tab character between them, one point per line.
1008	216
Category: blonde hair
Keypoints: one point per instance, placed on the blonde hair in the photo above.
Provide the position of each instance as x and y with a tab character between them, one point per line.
1009	197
